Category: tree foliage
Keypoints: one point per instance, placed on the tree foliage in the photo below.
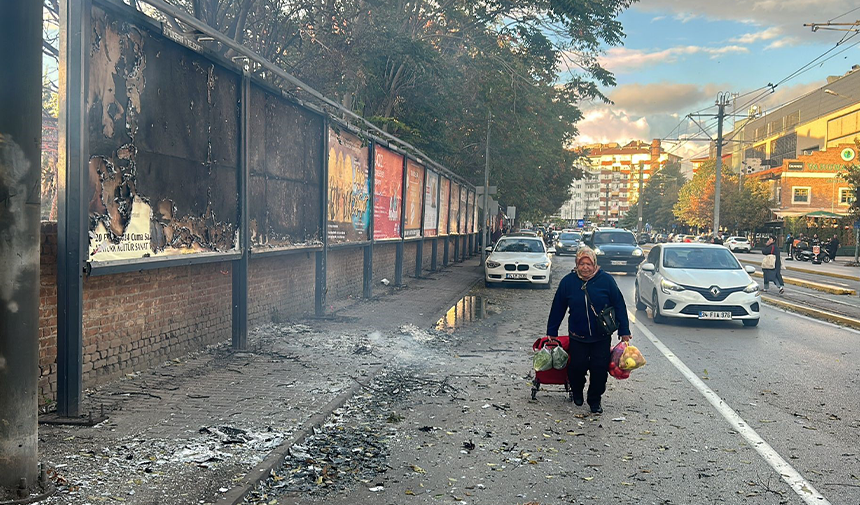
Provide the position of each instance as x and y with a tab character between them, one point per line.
851	175
432	72
741	208
658	199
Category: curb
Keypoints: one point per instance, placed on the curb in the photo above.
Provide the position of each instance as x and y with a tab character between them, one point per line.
807	270
261	471
826	288
815	313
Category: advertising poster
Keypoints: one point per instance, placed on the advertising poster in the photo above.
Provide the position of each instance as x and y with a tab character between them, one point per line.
414	190
474	213
471	217
431	203
454	212
444	194
348	188
463	210
387	191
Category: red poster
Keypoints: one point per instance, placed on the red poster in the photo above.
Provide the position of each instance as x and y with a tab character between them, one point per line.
414	190
444	194
387	191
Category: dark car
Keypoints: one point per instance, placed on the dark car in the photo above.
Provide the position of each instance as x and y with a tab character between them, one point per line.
616	250
644	238
568	243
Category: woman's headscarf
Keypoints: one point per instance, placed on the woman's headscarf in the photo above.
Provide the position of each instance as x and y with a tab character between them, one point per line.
586	252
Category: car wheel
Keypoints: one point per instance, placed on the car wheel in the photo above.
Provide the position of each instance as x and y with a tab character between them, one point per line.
658	318
750	322
639	304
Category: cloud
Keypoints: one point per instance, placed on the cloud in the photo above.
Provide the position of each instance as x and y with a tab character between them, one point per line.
623	59
750	38
657	18
662	97
685	17
787	41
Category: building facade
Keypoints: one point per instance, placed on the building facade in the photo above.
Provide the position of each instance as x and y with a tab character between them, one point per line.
612	177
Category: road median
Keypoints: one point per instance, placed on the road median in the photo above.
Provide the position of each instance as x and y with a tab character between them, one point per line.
793	268
818	286
813	312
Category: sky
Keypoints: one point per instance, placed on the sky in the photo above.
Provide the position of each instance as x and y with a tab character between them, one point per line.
679	54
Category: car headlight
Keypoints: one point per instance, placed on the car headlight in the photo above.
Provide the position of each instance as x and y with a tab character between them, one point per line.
493	264
637	252
752	288
598	252
542	266
667	286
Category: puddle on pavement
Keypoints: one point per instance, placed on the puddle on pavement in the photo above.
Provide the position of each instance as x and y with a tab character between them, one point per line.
466	310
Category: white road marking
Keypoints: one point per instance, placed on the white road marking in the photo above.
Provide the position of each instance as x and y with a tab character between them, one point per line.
791	476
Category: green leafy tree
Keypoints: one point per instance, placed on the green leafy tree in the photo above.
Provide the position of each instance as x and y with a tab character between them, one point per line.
658	199
851	175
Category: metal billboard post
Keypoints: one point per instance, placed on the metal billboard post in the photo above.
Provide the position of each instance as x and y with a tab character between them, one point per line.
367	276
320	276
72	228
240	266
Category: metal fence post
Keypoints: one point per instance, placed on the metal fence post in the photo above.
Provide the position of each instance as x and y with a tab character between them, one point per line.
320	277
368	249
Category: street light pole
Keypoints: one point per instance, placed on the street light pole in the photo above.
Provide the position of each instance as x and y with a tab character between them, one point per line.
486	240
722	101
641	193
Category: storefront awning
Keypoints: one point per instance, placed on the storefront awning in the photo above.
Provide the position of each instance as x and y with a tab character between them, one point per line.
805	213
824	213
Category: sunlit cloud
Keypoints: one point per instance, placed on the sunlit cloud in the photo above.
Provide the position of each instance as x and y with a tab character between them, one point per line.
623	59
787	41
750	38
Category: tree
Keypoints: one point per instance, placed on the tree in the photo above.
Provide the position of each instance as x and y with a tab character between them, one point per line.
658	199
851	175
746	208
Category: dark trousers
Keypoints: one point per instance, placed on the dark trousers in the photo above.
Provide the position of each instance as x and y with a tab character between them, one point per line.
591	357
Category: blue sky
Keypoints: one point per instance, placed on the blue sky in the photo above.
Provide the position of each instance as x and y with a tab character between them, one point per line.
679	54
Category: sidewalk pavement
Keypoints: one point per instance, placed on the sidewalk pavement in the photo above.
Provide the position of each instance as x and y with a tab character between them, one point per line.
199	429
836	269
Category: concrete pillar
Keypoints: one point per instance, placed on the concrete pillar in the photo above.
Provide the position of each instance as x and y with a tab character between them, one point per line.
20	197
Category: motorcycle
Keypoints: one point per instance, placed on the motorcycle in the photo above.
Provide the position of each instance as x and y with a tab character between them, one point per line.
813	253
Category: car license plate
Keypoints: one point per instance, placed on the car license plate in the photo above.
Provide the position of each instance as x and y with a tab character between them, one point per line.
614	262
515	276
715	314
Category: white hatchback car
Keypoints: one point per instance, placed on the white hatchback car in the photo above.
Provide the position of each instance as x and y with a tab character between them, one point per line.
697	281
738	244
518	260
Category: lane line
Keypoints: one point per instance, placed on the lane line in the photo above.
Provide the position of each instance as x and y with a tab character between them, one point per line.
788	473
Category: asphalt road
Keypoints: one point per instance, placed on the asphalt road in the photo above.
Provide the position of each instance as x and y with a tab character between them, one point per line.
720	414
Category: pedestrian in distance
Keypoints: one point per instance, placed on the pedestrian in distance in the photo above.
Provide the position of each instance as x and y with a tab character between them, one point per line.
590	347
832	247
788	240
774	274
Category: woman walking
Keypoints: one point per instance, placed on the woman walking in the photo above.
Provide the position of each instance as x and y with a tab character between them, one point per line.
772	267
585	293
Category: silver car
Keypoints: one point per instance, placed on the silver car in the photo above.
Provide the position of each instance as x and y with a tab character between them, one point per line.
697	281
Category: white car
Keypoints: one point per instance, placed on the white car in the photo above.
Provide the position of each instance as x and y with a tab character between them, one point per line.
738	244
697	281
518	260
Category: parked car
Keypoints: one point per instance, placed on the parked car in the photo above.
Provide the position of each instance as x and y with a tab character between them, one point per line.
738	244
697	281
568	243
644	238
518	259
616	250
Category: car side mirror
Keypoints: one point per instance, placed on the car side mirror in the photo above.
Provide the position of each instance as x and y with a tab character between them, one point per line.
489	249
648	267
749	269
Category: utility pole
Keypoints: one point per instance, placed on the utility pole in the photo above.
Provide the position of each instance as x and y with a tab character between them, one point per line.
641	194
722	101
20	166
486	240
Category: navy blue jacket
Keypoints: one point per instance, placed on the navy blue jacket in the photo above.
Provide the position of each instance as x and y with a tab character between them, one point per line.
582	322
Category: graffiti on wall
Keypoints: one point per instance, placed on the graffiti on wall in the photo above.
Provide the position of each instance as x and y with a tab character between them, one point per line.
349	188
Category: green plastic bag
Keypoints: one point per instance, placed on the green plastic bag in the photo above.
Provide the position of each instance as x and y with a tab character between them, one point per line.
542	360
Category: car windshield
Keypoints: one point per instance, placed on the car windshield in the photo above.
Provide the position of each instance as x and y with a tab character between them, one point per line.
525	246
740	239
614	238
700	258
569	236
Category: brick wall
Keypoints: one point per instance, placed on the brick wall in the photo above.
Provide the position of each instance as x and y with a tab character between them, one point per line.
281	287
428	254
410	249
48	314
384	260
344	273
